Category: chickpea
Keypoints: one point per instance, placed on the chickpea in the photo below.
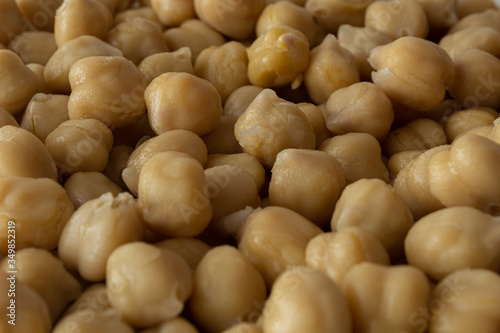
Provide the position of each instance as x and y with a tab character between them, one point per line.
22	154
359	154
473	304
361	107
80	145
137	38
93	299
92	323
477	72
76	18
6	118
488	18
243	327
419	134
135	134
462	121
225	66
336	252
331	67
235	19
271	124
56	72
310	293
278	57
191	249
230	225
468	7
117	162
38	70
40	14
182	101
385	299
399	160
195	34
46	275
172	194
163	62
222	300
11	20
441	14
146	284
274	238
131	13
118	5
44	113
245	161
173	12
482	38
176	325
331	14
239	100
34	46
18	83
400	75
85	186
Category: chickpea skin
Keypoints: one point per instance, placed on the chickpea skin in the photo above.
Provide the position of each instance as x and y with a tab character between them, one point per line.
173	12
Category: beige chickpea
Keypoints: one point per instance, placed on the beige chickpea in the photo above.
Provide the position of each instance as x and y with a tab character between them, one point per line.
146	284
195	34
76	18
177	61
93	299
309	301
375	207
110	89
23	154
454	238
271	124
34	46
80	145
135	134
44	113
482	38
468	7
222	300
360	41
92	323
11	20
335	253
462	121
18	83
117	162
441	14
287	13
225	66
317	120
243	327
191	249
386	298
475	83
311	194
398	18
239	100
331	14
221	139
182	101
235	19
137	38
278	57
131	13
38	208
46	275
175	140
401	73
274	238
173	12
39	70
330	68
6	118
466	300
361	107
85	186
176	325
419	134
232	223
398	161
359	154
40	14
118	5
245	161
488	18
172	194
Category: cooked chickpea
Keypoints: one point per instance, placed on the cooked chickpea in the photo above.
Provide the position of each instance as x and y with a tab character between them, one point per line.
419	134
274	238
44	113
488	18
173	12
137	38
441	14
361	107
398	161
239	100
331	14
175	140
39	207
56	72
317	120
146	284
243	327
117	162
222	300
271	124
34	46
462	121
85	186
482	38
359	154
11	20
6	118
80	145
163	62
468	7
93	299
173	196
191	249
92	322
40	14
46	275
403	77
182	101
39	72
18	83
225	66
475	84
309	301
330	68
235	19
466	300
131	13
23	154
176	325
110	89
245	161
335	253
386	299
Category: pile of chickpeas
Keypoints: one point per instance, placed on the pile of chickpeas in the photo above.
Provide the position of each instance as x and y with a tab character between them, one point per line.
249	166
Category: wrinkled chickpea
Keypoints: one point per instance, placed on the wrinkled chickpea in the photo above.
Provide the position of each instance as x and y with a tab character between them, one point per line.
465	120
85	186
146	284
482	38
330	68
93	299
331	14
468	7
163	62
34	46
173	12
398	161
117	162
176	325
191	249
359	154
488	18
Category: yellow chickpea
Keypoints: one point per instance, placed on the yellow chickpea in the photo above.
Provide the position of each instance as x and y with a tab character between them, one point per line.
467	7
488	18
6	118
173	12
191	249
117	161
34	46
85	186
398	161
441	14
482	38
164	62
331	14
178	325
462	121
131	13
